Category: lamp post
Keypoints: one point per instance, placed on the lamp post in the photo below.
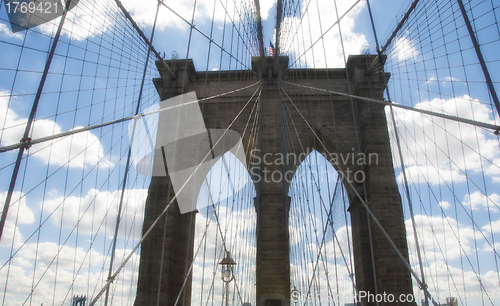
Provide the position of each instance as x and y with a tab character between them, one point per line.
227	276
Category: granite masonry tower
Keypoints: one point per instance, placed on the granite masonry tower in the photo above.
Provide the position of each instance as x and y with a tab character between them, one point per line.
343	125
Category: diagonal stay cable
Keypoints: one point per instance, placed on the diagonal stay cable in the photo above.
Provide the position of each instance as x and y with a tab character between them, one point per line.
313	179
324	33
396	134
54	210
475	225
146	234
206	36
223	236
349	269
485	125
112	122
289	45
141	33
234	25
129	156
214	213
356	193
31	118
63	244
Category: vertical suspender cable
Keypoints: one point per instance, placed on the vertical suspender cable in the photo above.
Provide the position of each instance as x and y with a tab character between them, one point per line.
479	56
188	46
400	152
34	107
127	165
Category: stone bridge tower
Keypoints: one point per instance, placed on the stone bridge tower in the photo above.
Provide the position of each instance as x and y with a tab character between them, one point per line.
344	126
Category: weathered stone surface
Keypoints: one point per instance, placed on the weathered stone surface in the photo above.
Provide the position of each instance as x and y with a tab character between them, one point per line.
343	126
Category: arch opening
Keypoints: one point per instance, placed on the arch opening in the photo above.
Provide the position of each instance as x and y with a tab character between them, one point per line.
226	222
321	261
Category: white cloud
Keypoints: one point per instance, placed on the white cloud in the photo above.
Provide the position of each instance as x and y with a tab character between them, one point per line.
57	278
265	7
437	150
404	48
446	81
440	245
12	126
455	282
444	204
340	245
443	241
99	208
432	79
74	267
81	150
487	247
240	222
477	200
4	30
144	11
298	217
324	265
493	227
209	275
87	19
331	282
432	174
238	227
90	18
438	236
327	52
45	252
19	213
